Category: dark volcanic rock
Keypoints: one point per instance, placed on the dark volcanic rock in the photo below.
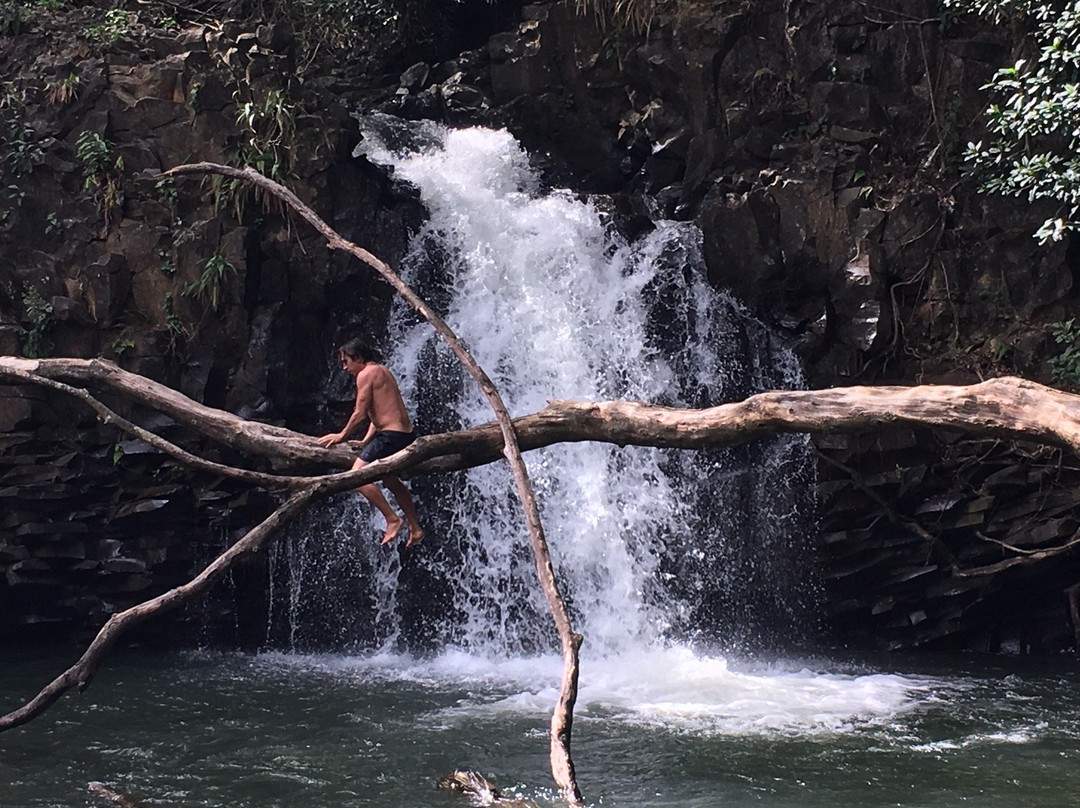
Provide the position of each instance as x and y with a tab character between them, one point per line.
816	147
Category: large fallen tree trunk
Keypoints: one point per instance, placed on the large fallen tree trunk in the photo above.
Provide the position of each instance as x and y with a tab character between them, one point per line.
1005	407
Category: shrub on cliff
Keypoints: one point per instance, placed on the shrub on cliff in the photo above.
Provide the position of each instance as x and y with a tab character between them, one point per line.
1034	149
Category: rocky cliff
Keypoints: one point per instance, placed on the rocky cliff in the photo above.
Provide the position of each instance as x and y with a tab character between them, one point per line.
816	145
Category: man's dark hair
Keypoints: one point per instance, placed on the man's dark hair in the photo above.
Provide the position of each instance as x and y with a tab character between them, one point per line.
358	349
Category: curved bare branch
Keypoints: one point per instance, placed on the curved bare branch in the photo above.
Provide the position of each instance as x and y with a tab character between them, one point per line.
82	672
108	416
284	448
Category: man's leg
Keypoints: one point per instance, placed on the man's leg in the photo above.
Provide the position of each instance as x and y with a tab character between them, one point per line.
373	495
405	502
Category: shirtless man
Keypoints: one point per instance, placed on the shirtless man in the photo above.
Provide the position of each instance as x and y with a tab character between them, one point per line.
378	400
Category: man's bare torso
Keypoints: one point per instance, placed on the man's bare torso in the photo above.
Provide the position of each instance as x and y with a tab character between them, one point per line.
378	396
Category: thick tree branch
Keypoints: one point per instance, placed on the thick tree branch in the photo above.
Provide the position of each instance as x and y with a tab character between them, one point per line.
1005	407
284	448
107	416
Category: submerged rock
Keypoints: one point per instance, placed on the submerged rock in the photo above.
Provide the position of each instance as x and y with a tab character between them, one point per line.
479	790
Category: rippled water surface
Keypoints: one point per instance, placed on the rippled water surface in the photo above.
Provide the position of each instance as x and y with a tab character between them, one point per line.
664	728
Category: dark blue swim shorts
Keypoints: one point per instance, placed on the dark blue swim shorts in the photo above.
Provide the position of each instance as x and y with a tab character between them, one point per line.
385	444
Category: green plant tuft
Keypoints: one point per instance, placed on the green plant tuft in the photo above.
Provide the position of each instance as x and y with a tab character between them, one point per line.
39	314
268	129
13	14
120	346
101	171
1065	367
208	288
115	24
23	151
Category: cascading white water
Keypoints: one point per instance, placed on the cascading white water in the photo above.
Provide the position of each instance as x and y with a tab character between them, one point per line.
553	304
663	555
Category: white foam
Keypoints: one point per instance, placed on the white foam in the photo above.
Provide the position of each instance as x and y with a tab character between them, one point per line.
554	304
673	688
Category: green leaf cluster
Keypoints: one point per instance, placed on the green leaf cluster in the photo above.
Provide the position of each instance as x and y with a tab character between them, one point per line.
101	171
208	287
112	26
39	312
1065	367
1034	116
267	132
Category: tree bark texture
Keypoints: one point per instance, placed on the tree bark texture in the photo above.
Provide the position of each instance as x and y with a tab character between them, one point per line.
1005	407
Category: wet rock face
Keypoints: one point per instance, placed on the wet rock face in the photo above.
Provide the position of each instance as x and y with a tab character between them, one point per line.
816	147
935	541
189	283
93	523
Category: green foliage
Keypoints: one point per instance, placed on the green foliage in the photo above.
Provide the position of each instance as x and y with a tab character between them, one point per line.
117	453
208	287
115	24
101	170
1065	367
93	152
639	15
1034	152
122	345
166	190
178	331
268	128
13	15
23	151
15	195
341	23
1000	349
39	313
193	96
162	20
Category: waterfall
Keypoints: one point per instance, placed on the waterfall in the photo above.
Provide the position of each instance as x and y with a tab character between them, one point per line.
650	546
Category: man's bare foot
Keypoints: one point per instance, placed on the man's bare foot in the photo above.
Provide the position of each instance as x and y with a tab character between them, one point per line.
416	535
393	527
